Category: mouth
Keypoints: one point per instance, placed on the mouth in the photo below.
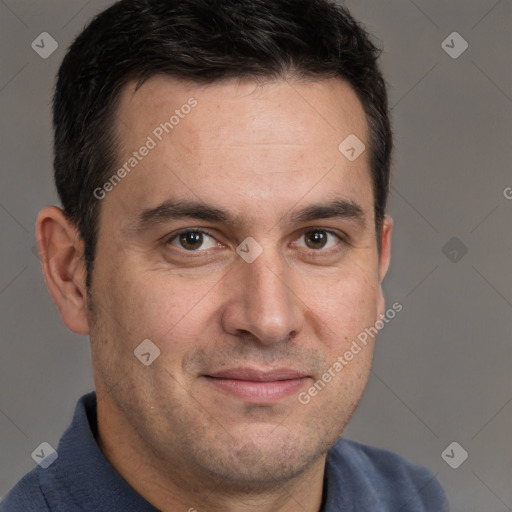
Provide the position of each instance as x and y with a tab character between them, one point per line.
258	386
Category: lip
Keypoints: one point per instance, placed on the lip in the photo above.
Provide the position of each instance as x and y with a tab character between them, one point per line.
258	386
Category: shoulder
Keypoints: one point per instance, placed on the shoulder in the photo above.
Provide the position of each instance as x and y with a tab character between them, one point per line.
25	496
45	488
386	479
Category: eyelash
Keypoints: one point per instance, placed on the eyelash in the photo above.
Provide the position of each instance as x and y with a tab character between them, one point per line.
340	236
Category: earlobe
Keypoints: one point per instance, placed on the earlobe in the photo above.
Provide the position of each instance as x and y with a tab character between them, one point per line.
61	253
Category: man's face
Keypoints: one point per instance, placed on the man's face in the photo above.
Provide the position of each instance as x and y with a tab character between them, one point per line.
239	340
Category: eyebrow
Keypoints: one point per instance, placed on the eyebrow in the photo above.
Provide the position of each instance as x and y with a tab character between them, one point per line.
338	208
173	210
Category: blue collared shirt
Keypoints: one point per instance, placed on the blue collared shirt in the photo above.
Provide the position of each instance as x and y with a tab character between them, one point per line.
357	478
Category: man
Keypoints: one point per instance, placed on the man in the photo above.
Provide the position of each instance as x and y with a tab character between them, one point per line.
223	168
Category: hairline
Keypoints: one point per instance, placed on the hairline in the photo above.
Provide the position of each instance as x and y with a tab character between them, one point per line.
291	73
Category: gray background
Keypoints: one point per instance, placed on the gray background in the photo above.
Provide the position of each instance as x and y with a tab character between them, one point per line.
442	368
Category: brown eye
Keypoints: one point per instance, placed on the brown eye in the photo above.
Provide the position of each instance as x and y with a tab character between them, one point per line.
193	241
319	240
316	239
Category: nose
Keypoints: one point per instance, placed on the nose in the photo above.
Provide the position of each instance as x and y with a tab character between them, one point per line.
262	302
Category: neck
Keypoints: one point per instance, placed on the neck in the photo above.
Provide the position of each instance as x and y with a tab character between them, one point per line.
171	487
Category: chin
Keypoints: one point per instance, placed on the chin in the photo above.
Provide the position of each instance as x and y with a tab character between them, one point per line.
261	459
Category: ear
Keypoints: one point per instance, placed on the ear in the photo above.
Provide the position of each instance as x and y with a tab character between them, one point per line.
61	253
384	260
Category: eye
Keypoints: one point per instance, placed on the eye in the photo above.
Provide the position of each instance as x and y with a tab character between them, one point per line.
318	239
193	240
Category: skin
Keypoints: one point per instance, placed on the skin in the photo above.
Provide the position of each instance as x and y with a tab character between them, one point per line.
261	152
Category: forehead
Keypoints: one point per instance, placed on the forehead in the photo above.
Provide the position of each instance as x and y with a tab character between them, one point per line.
241	140
307	109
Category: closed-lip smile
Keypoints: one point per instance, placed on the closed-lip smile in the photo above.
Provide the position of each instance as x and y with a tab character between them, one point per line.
264	386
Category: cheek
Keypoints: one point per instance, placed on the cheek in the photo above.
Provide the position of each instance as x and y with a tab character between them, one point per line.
343	307
131	309
161	306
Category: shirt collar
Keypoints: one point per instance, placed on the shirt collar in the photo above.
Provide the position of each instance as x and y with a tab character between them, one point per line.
82	476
